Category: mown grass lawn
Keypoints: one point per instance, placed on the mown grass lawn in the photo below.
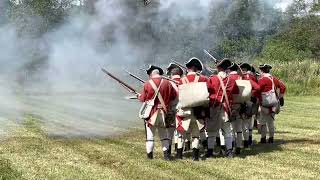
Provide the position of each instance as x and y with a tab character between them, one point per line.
27	153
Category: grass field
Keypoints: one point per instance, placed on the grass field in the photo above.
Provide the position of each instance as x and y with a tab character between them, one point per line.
27	153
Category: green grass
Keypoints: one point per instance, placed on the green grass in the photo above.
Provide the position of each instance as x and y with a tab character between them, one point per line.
27	153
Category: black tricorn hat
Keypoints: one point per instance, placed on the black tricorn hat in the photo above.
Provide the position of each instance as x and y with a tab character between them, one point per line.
152	67
234	67
246	65
225	63
173	66
194	62
265	66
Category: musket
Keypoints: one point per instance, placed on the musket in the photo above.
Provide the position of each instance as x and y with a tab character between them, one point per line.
179	64
129	88
212	57
134	76
146	2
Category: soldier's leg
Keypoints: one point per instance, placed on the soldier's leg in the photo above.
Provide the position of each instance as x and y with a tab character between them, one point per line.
180	145
228	135
237	129
187	141
150	141
245	132
175	139
270	124
171	135
263	124
195	134
204	138
211	142
165	141
250	126
223	148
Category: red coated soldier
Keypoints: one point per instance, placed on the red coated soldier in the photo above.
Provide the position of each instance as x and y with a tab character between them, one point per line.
175	73
251	107
162	92
220	89
270	101
194	121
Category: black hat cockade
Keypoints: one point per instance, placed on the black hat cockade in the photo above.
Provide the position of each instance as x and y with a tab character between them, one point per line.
265	66
174	66
225	64
152	67
194	62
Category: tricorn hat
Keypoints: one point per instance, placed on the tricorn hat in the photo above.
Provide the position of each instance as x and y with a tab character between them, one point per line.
194	62
173	66
234	67
152	67
265	66
224	64
246	65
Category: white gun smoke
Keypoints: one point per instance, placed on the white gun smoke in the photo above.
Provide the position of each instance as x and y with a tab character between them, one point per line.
66	87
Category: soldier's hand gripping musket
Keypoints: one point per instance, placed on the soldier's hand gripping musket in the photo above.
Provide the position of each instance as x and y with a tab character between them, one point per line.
125	85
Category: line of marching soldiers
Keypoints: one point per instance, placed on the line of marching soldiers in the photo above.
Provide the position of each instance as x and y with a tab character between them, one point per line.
223	121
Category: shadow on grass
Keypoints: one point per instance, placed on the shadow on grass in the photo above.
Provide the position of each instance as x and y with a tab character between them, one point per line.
7	171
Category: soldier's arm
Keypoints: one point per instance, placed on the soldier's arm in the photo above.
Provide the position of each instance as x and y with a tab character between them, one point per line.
280	85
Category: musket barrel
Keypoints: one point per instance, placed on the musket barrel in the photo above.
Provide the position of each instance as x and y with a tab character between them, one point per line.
129	88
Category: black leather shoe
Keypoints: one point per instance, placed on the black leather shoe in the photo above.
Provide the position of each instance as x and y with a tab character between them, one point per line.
250	141
166	155
270	140
263	140
223	150
169	150
179	153
229	153
187	146
209	153
205	144
218	141
238	151
195	156
150	155
246	144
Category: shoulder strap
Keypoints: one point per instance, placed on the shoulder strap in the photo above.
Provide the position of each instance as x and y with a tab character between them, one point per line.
225	92
196	78
155	88
158	94
273	86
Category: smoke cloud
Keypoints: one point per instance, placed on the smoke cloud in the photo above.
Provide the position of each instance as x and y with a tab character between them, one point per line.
57	76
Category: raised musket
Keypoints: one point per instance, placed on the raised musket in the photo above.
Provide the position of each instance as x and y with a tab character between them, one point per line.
135	76
212	57
179	64
125	85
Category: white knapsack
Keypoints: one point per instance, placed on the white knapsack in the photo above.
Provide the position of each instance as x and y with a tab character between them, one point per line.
270	98
193	94
146	108
245	91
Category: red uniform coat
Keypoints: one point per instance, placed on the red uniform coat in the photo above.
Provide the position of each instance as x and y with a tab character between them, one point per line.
167	92
216	93
192	75
177	78
266	84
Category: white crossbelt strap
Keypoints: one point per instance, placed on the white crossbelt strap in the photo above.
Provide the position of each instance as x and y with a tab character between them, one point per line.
157	90
224	92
